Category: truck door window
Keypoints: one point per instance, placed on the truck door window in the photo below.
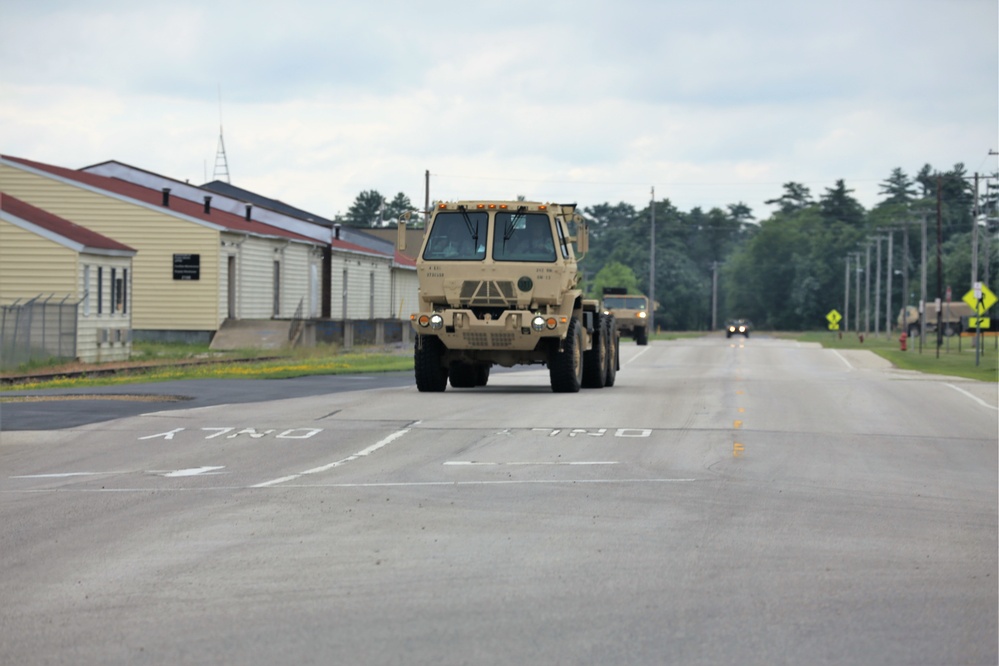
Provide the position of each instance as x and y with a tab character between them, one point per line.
561	240
523	237
457	236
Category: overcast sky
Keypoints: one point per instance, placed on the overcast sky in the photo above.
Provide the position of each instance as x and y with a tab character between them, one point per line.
712	102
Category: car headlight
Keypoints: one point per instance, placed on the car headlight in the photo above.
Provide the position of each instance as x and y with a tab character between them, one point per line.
538	323
742	329
436	321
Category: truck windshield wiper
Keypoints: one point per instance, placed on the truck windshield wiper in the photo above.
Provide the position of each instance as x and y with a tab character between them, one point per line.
473	230
511	225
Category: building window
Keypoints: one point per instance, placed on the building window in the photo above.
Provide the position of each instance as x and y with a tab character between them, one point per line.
277	288
100	290
86	291
119	289
114	290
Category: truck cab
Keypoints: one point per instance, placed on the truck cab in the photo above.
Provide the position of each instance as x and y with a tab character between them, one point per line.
499	285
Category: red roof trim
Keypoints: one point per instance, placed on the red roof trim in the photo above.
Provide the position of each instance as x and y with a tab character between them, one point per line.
154	198
58	225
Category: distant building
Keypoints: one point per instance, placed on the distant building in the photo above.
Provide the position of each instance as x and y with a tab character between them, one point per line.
196	264
364	278
66	290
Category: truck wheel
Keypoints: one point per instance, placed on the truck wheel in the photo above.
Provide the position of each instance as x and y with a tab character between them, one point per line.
565	367
595	360
642	336
914	331
463	375
481	374
612	341
431	374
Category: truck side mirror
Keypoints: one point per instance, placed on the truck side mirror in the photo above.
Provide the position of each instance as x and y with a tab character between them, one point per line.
582	234
400	237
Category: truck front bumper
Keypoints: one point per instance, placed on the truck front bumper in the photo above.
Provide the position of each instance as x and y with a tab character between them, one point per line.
512	330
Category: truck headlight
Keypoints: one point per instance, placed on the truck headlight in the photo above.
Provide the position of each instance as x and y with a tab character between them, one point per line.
436	321
538	323
642	315
423	321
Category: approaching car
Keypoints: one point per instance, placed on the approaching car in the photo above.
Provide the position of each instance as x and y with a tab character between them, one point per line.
737	327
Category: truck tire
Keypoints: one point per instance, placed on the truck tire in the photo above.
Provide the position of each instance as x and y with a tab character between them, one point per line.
914	331
463	375
482	374
565	366
595	360
613	341
431	374
642	335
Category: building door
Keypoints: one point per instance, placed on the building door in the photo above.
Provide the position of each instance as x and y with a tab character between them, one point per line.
277	288
231	287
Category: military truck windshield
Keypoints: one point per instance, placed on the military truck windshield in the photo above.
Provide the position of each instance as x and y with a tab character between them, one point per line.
523	237
624	303
457	236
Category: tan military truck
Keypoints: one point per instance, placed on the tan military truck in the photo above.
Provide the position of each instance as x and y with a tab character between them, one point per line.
631	312
499	285
953	317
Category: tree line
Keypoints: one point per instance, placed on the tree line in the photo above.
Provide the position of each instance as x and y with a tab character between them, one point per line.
783	272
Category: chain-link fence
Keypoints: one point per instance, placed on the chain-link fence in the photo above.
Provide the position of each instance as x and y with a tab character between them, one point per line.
38	329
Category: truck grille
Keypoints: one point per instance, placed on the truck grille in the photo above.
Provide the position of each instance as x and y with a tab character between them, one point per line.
487	293
489	340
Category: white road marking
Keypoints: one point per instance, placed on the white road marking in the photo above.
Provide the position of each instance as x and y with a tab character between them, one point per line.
386	484
973	397
475	463
194	471
504	482
316	470
645	349
63	475
843	358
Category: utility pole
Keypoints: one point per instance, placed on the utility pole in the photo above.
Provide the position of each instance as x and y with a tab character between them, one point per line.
877	288
652	261
922	288
867	289
891	236
939	263
714	295
846	296
974	236
856	306
426	199
905	274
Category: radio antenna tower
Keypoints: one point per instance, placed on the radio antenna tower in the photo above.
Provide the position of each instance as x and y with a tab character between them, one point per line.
221	163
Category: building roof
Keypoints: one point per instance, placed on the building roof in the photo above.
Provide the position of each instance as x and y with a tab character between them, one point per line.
242	202
230	190
154	199
58	229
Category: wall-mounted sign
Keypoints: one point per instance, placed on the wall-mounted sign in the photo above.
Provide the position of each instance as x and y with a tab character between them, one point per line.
187	267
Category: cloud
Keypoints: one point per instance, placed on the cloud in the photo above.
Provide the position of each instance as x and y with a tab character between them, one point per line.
711	102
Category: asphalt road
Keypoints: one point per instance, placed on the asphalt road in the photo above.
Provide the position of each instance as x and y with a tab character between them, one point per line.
728	501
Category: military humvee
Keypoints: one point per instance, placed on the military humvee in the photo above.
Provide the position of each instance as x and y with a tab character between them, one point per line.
631	312
499	285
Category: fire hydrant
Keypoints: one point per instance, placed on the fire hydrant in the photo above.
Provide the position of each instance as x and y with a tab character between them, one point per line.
902	339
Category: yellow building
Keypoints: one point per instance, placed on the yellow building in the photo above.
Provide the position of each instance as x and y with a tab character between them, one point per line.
65	289
195	266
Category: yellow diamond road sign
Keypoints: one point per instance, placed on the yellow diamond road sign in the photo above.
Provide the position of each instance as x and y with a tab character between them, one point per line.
987	299
834	317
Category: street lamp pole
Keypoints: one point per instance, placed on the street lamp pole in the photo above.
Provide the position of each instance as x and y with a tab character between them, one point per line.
846	296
